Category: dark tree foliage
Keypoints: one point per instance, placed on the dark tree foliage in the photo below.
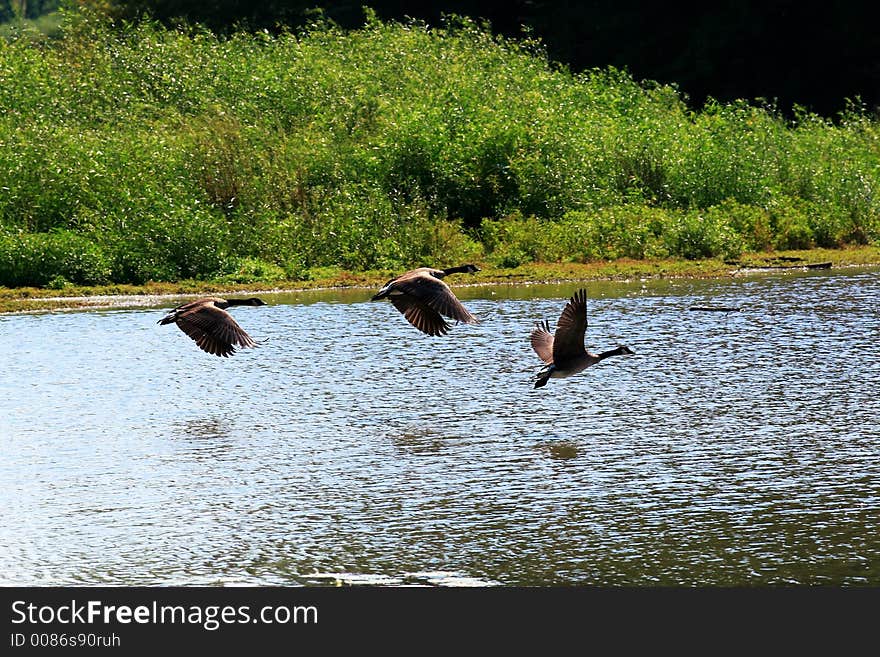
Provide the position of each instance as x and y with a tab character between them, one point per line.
812	54
10	9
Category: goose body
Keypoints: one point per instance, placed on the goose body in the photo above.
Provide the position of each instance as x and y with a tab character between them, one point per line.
424	298
564	353
212	328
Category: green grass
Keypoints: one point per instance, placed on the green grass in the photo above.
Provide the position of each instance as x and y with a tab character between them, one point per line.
137	153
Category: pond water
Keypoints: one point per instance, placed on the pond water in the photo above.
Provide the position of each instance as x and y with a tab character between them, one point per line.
736	448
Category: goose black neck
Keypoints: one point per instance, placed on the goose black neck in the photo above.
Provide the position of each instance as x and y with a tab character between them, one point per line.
244	302
461	269
614	352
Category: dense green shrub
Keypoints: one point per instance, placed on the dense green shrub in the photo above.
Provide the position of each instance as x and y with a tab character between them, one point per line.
43	259
698	234
751	223
627	231
513	240
623	231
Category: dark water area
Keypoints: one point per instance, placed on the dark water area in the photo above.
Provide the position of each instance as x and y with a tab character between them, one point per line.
735	448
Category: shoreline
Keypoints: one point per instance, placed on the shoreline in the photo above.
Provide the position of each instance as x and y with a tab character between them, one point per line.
35	300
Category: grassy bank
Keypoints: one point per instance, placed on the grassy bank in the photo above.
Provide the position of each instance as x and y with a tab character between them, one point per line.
30	299
137	154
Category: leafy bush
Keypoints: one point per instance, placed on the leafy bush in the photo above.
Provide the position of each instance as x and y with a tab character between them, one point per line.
702	235
41	259
625	231
513	240
752	224
176	244
251	270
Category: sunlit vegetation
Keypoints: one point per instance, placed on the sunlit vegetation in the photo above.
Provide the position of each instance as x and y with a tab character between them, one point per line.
138	153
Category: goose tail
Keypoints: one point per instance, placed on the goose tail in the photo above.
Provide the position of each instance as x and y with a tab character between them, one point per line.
544	376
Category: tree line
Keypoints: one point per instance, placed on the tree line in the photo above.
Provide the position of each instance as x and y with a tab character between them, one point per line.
817	56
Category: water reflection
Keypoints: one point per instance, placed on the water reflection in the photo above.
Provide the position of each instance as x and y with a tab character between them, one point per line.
417	441
731	449
561	450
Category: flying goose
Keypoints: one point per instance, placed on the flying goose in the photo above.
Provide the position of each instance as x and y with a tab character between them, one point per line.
422	297
213	329
564	353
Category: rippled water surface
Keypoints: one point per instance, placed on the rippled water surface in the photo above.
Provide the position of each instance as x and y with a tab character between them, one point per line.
733	448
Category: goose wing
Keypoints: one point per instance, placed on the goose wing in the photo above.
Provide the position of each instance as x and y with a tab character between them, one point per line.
420	314
436	295
213	329
569	339
542	341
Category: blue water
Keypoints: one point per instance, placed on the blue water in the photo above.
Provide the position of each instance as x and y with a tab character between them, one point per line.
732	449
